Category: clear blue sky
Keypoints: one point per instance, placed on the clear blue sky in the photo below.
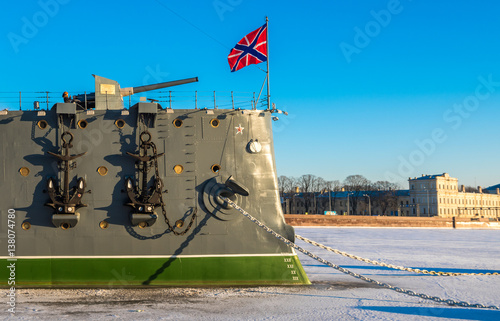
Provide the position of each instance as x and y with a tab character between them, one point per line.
375	88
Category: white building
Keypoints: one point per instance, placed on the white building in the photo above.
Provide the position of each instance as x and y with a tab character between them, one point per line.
428	195
440	195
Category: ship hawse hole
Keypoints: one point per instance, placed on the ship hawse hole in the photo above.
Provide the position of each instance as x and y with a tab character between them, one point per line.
215	123
82	124
177	123
226	194
26	226
215	168
120	123
64	226
42	124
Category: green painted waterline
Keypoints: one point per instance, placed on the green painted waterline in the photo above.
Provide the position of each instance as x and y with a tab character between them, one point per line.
144	271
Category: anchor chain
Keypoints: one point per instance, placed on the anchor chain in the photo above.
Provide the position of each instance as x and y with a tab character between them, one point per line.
396	267
157	173
346	271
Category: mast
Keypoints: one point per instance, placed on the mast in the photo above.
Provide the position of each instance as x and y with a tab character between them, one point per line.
267	45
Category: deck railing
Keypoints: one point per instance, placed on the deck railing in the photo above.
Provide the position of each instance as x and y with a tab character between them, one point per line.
44	100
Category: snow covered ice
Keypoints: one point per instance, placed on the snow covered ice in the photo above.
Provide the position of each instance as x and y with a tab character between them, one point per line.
333	295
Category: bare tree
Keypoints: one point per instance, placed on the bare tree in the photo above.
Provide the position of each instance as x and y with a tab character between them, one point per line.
294	185
308	185
319	184
319	188
332	186
385	186
283	183
287	189
356	185
386	196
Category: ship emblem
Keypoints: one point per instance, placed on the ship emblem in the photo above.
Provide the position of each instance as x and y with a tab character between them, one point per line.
239	129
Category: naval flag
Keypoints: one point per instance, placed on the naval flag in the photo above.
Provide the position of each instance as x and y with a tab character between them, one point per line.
252	49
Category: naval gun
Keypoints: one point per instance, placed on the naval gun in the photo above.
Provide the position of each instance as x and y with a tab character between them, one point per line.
109	95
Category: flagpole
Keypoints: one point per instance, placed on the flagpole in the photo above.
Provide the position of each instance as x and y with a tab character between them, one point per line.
268	86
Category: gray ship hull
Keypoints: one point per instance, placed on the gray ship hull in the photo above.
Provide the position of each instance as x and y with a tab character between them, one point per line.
109	242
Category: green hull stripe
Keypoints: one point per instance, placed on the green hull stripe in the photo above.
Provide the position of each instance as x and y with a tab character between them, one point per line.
124	272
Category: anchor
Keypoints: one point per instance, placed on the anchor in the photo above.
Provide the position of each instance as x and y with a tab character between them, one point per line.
66	202
145	200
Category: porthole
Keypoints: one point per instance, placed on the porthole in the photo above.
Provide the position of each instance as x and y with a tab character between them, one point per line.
64	226
178	169
215	168
24	171
120	123
82	124
177	123
102	170
215	123
26	226
104	225
42	124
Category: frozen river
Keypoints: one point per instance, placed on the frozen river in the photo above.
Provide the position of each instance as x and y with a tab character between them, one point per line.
333	295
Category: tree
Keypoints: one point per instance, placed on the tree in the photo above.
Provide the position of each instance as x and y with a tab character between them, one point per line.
307	183
308	186
386	196
283	183
332	186
287	191
385	186
356	185
319	185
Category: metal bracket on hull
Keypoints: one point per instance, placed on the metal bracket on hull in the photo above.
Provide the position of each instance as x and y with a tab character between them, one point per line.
146	113
66	113
66	201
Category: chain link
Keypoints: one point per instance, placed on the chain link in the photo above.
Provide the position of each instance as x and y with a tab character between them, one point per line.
164	212
396	267
195	210
346	271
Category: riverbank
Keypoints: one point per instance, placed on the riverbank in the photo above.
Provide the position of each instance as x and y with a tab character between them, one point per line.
389	221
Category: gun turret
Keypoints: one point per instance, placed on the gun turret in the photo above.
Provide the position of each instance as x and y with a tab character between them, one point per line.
109	95
135	90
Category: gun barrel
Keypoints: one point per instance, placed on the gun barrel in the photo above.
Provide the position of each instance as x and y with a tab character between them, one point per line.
135	90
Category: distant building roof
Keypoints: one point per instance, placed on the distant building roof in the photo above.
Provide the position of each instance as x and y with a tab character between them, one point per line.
403	192
399	192
371	193
430	176
492	189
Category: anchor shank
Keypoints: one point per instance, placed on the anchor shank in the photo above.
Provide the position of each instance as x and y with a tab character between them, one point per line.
66	178
144	193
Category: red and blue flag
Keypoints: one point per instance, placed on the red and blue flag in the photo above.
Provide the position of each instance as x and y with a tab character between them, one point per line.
252	49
